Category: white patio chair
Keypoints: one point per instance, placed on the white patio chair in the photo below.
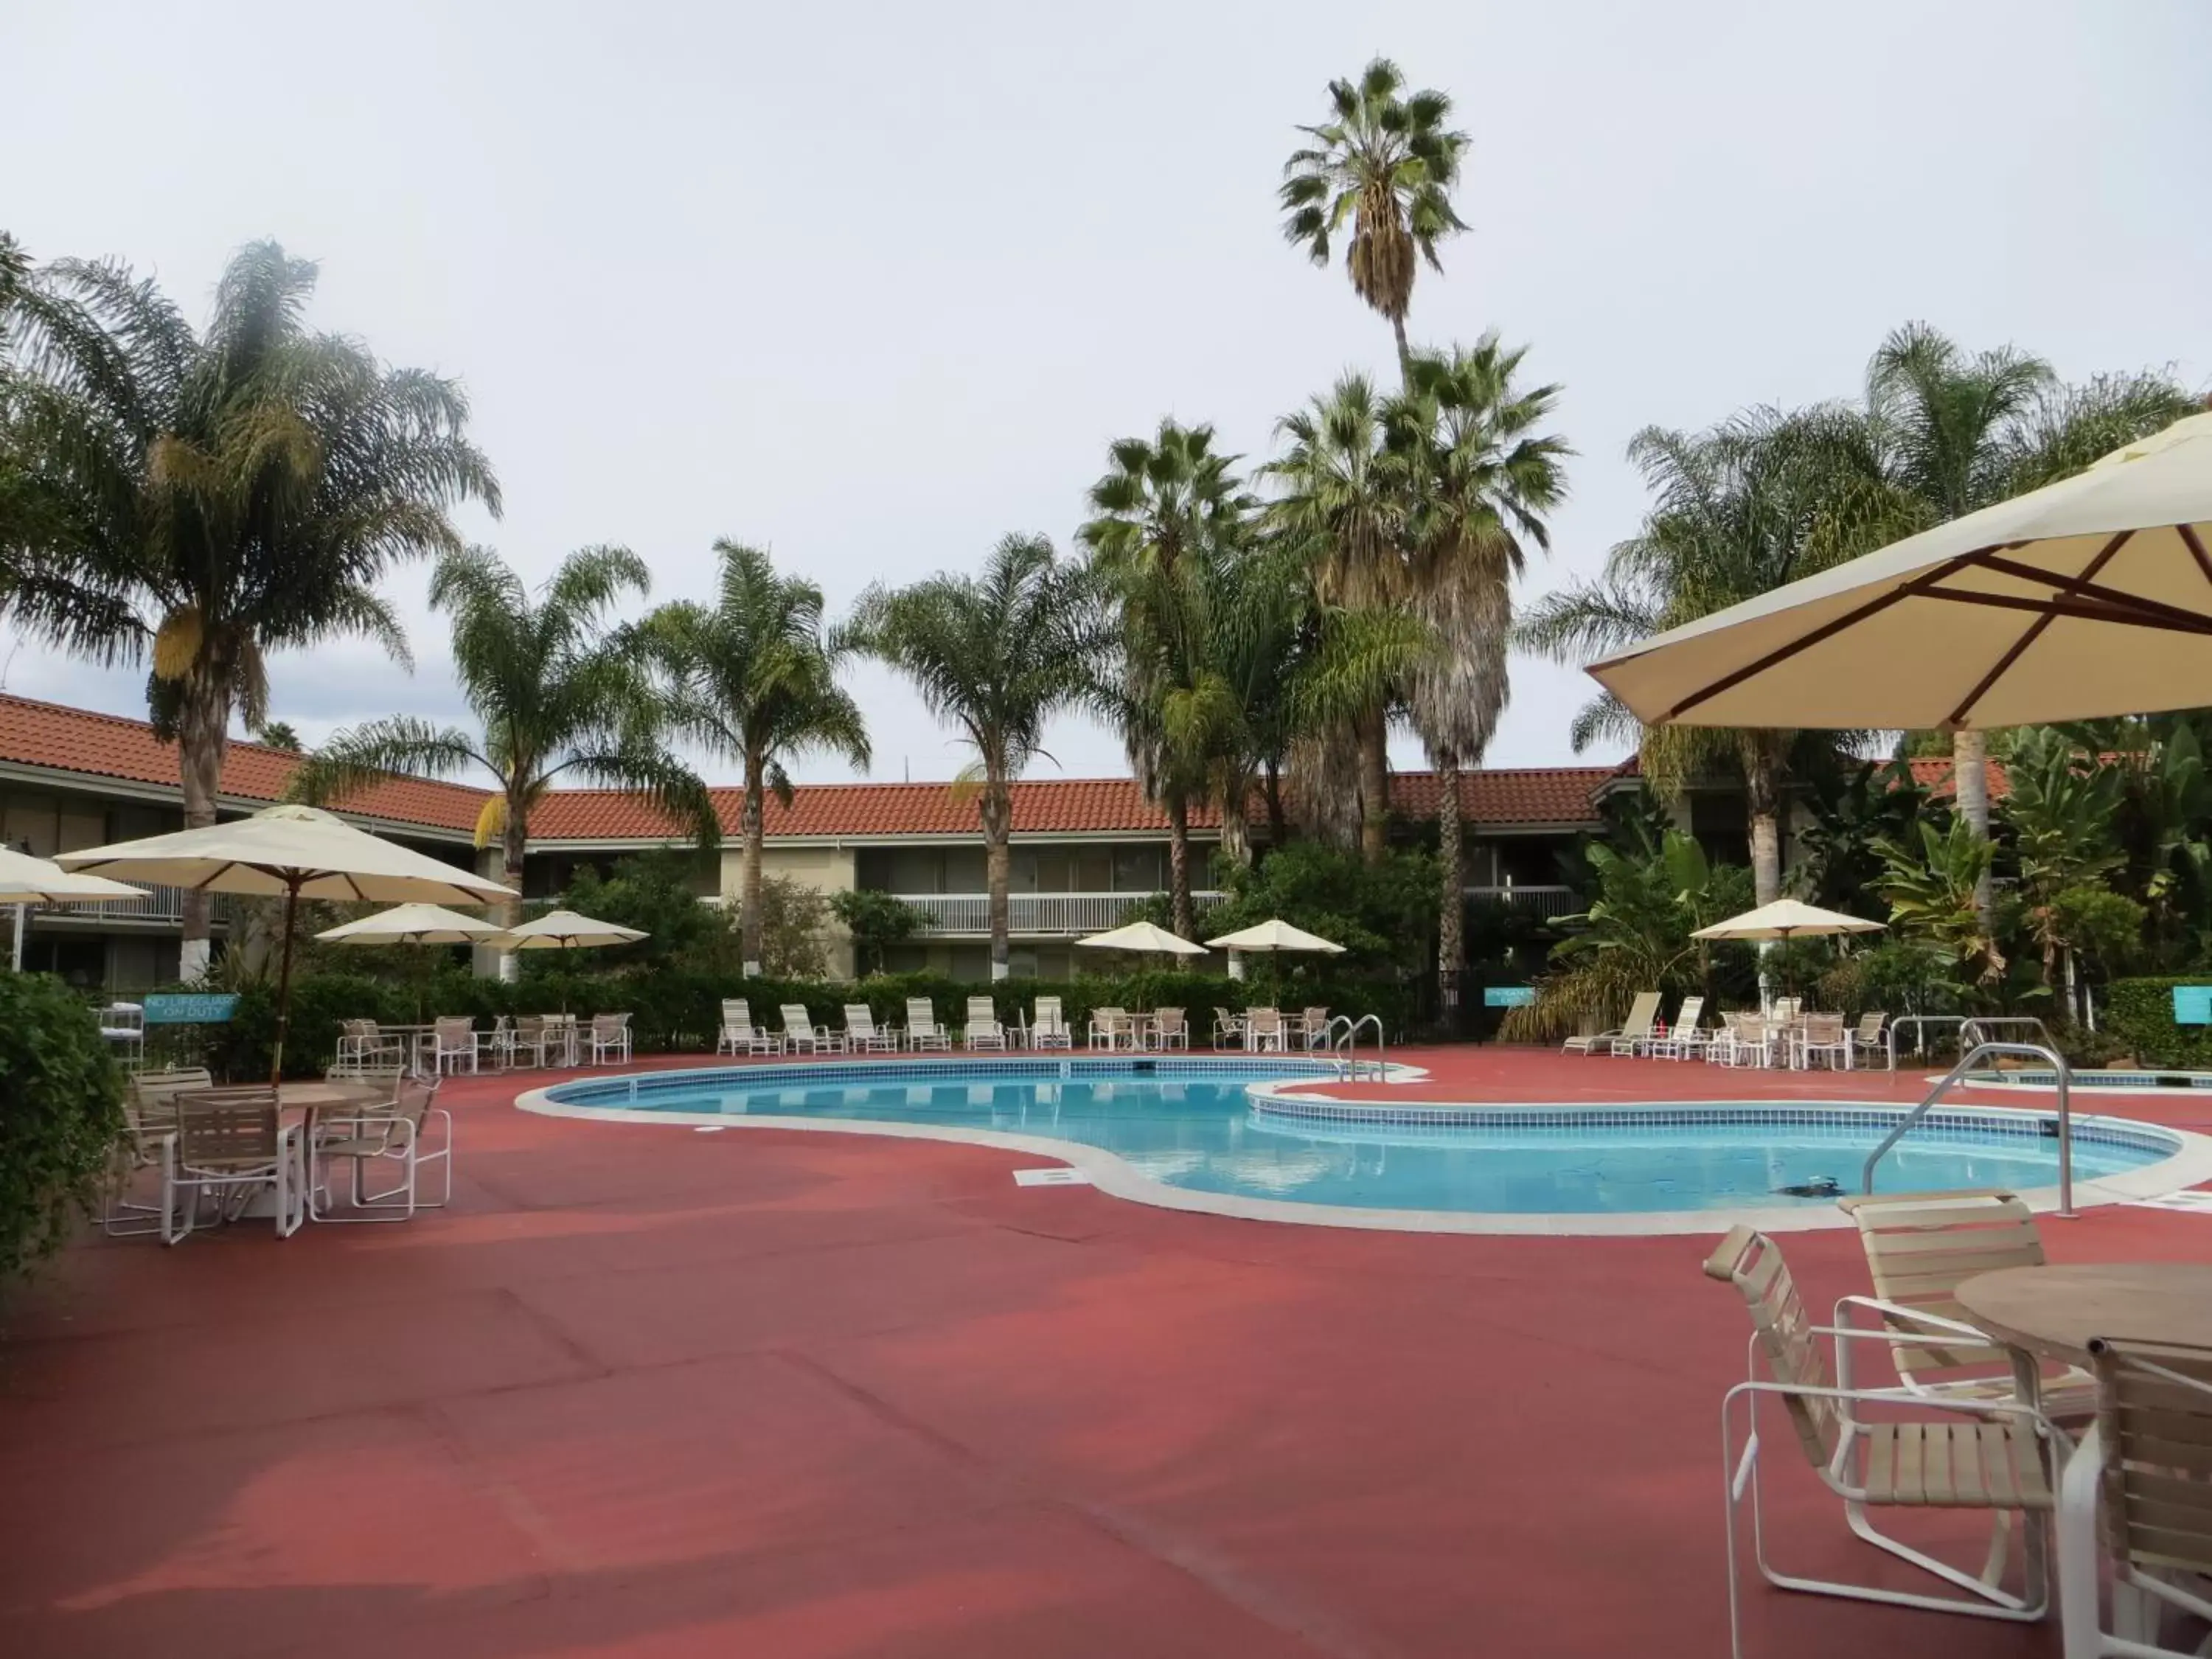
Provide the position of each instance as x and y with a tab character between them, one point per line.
1310	1027
1822	1036
409	1131
1228	1029
122	1025
861	1036
610	1038
454	1043
1048	1026
802	1035
922	1030
982	1029
1742	1040
1999	1465
228	1144
1167	1029
738	1031
149	1118
1684	1039
1870	1036
1640	1013
1111	1028
2148	1465
362	1047
527	1035
1265	1030
562	1039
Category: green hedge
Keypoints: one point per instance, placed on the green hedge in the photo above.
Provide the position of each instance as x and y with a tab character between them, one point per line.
61	1110
2140	1013
672	1010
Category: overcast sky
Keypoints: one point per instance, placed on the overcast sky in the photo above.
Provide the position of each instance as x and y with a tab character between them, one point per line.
873	286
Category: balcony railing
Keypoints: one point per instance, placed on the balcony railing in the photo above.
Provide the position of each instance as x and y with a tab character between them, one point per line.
1046	915
156	904
1535	900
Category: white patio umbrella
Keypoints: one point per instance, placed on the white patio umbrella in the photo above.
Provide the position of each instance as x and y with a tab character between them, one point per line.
1143	937
297	851
24	881
1268	938
1786	918
564	930
414	924
2091	596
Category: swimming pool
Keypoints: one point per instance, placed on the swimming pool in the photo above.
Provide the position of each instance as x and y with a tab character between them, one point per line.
1244	1133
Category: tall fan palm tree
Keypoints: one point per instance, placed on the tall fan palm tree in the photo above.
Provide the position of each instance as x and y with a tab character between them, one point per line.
754	680
1384	164
1955	432
207	499
556	690
996	655
1478	478
1168	513
1736	516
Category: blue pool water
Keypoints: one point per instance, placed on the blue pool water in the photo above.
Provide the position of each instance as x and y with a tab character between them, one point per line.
1190	1124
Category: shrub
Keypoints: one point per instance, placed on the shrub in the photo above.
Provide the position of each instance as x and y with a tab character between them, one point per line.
2139	1013
61	1109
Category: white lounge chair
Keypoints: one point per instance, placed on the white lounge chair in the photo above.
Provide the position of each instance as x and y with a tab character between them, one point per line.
1992	1456
738	1031
861	1036
1049	1029
1640	1013
610	1038
229	1142
802	1035
1683	1041
922	1030
2146	1475
982	1029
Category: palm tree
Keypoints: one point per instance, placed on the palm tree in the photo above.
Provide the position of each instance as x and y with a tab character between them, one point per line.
755	681
1385	164
1736	516
1168	513
996	655
1956	433
207	499
555	691
1478	478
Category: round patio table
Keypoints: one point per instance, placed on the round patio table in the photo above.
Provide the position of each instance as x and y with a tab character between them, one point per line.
2054	1313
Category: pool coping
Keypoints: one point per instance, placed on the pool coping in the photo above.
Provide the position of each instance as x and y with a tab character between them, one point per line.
2190	1165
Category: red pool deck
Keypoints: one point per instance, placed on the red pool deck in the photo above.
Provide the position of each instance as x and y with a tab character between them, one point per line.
648	1392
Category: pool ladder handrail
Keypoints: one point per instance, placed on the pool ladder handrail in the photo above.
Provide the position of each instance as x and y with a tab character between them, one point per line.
1918	1022
1348	1064
2062	1074
1983	1028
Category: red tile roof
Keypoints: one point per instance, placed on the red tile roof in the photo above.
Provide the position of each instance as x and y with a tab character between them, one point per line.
48	734
65	739
1933	774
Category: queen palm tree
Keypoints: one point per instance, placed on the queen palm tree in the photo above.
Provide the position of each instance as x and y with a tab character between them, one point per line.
205	499
754	680
996	655
1954	433
1384	164
556	691
1737	513
1478	477
1167	514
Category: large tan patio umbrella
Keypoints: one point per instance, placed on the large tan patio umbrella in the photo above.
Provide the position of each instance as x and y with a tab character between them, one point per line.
1269	938
1143	939
2091	596
1787	919
294	851
413	924
24	881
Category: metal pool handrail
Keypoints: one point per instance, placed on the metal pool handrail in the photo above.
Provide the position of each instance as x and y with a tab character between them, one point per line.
1348	1065
1919	1038
1967	1061
1983	1028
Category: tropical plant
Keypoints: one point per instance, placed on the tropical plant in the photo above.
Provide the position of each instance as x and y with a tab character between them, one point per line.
997	655
1383	164
1477	479
1736	512
556	690
1850	810
279	734
2062	808
63	1091
207	499
876	920
1930	880
754	680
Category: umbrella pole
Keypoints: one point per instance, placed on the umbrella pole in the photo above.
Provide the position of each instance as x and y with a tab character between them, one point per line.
15	947
283	988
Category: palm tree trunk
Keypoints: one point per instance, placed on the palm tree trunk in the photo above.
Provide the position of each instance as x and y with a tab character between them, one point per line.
753	832
1375	787
1179	909
1235	828
513	839
1405	352
1451	912
1278	821
1762	778
1970	780
202	736
998	810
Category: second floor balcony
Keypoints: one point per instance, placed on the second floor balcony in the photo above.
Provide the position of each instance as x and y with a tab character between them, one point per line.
157	905
1044	916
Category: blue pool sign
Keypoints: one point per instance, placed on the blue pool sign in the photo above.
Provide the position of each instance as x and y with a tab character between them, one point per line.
2192	1004
190	1009
1508	996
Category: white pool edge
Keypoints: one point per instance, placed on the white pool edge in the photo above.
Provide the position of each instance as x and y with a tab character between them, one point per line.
2190	1165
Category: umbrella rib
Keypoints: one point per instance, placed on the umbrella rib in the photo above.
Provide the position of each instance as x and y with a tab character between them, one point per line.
2031	633
2194	543
2082	610
2081	587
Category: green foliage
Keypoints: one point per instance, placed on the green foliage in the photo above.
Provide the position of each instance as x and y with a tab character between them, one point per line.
876	919
793	919
657	892
61	1111
1382	913
2139	1012
1928	882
